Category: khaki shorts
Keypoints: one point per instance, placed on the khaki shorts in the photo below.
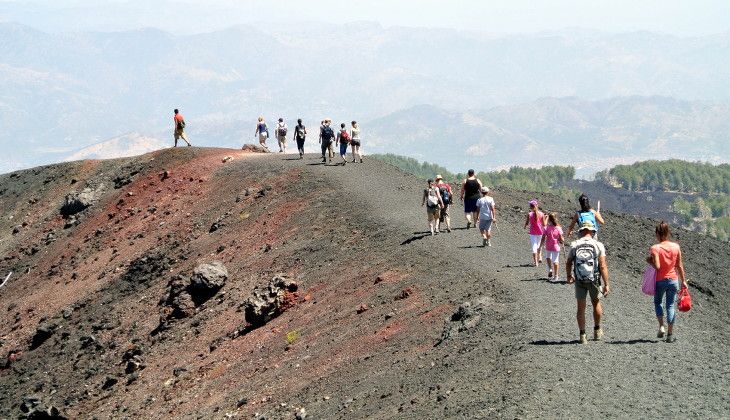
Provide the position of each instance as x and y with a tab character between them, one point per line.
179	133
433	213
582	290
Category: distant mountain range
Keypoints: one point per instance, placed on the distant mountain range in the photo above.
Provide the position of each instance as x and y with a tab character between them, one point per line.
589	135
63	92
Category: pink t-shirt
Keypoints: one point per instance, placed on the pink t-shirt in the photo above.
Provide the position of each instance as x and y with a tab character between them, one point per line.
552	237
668	253
536	223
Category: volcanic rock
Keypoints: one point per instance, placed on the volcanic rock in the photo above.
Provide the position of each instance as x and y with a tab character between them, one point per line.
34	408
254	148
76	202
266	303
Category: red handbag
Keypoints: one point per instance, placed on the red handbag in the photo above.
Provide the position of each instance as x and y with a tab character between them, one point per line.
685	300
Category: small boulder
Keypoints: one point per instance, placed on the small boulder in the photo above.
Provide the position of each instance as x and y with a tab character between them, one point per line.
76	202
207	279
34	408
266	303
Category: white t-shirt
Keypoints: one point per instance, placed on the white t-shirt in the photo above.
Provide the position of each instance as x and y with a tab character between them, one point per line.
485	207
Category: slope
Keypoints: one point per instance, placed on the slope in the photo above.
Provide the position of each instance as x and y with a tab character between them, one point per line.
374	330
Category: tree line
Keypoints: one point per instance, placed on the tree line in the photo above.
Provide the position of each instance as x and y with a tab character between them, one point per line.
670	175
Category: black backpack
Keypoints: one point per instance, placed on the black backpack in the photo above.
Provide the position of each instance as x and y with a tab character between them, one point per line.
445	196
327	134
181	124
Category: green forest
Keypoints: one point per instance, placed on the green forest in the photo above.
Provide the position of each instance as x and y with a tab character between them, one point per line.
547	178
670	175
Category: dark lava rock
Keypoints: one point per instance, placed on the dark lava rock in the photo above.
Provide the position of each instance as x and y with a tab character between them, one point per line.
42	334
34	408
147	268
206	280
109	382
76	202
266	303
466	317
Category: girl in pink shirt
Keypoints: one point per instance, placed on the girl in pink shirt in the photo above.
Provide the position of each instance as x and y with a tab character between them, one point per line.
535	219
552	237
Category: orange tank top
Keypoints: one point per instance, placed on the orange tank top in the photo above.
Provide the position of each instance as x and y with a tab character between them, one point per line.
668	253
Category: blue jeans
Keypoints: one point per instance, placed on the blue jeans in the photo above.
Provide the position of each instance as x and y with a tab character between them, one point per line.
343	148
669	287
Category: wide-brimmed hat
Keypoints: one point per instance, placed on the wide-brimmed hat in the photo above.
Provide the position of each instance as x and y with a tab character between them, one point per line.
532	203
439	177
485	190
587	225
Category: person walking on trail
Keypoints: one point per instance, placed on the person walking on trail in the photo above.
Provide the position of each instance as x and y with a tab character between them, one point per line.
343	139
666	258
179	132
486	217
535	219
446	198
586	267
356	142
552	237
432	201
585	213
262	131
327	123
281	130
300	134
470	188
326	136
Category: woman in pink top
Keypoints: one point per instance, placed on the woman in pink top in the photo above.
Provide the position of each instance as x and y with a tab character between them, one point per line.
551	239
535	219
666	258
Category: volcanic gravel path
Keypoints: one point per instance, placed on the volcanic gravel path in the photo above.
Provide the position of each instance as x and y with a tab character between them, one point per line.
377	337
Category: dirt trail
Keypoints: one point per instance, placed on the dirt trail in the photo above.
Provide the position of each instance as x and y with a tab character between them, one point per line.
378	325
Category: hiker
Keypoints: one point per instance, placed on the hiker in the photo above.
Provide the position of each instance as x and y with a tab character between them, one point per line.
300	134
486	217
343	139
446	199
552	237
470	188
281	130
535	219
432	201
586	267
326	135
356	142
666	258
262	131
585	213
179	132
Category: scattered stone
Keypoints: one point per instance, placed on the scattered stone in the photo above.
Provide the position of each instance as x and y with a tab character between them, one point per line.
76	202
241	402
227	158
466	317
109	382
89	341
184	295
206	280
42	334
301	414
404	294
266	303
254	148
362	308
34	408
389	315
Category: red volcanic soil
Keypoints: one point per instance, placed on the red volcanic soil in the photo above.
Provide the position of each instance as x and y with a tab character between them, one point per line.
374	330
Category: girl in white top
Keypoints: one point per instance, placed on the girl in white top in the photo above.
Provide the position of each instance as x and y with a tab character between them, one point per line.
355	142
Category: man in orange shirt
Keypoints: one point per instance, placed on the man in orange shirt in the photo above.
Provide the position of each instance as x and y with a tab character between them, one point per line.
179	132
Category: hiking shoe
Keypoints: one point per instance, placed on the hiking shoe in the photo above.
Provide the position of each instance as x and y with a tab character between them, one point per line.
550	275
660	333
671	338
468	225
583	339
324	160
360	160
597	334
489	242
484	242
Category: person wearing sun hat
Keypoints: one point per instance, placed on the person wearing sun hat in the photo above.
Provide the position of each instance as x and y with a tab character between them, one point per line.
446	197
487	215
586	267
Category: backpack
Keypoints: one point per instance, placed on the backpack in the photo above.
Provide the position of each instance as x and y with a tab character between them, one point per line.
327	133
585	263
433	200
445	196
181	124
282	131
587	215
299	131
344	136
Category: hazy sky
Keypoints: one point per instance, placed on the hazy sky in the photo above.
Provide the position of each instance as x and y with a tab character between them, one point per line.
687	18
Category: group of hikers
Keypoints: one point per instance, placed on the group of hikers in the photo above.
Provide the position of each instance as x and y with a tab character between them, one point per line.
585	265
328	139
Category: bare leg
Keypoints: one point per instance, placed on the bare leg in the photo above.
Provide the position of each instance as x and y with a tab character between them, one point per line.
597	312
581	315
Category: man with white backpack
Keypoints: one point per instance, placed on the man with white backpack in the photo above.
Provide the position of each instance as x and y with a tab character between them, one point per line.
586	267
281	130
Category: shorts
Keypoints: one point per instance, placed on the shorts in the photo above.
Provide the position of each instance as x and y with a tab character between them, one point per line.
433	213
470	205
281	140
180	133
263	137
582	290
553	256
444	212
356	143
535	243
485	224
